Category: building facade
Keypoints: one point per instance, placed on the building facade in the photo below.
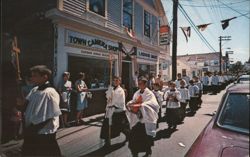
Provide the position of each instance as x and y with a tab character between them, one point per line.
101	38
198	64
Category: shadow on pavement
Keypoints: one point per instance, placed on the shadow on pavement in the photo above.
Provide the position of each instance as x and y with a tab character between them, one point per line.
105	150
166	133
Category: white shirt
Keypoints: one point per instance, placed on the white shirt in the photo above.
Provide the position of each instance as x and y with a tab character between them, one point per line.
43	105
173	103
184	94
215	80
205	80
193	90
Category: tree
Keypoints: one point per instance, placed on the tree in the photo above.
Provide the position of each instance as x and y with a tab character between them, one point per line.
236	68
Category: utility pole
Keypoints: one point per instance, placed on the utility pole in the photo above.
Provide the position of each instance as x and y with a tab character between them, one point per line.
222	38
174	48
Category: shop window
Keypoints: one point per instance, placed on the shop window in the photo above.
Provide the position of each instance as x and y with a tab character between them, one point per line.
97	71
97	6
146	24
127	13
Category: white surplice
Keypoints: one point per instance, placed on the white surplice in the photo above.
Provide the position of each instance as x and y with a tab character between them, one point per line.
115	102
149	110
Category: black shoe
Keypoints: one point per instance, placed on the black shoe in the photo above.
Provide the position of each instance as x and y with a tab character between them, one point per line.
148	153
174	127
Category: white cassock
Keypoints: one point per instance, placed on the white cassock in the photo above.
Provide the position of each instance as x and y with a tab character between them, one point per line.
149	110
115	102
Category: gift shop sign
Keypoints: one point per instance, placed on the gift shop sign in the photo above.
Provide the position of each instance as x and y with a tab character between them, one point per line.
80	39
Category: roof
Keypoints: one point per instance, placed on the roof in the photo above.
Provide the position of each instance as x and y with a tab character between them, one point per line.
239	88
200	57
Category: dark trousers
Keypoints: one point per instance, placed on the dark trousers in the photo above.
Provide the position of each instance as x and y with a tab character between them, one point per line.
172	115
193	103
119	125
40	145
182	111
139	141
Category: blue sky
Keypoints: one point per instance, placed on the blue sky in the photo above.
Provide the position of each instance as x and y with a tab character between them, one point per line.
213	11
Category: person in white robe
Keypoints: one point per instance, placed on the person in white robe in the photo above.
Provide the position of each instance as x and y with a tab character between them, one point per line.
194	95
41	116
115	116
172	97
142	115
185	97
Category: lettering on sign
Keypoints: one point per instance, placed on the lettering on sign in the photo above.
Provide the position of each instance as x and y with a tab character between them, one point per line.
90	41
146	55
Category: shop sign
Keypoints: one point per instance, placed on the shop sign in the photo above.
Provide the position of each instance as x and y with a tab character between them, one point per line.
97	54
164	36
146	55
90	41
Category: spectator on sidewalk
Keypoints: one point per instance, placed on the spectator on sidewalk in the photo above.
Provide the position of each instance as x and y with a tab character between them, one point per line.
159	81
172	98
215	83
65	89
115	116
41	116
81	102
142	115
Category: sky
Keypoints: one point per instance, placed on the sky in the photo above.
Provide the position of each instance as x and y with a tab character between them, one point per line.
213	11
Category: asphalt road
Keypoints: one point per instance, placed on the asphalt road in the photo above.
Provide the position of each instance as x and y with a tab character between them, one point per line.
84	140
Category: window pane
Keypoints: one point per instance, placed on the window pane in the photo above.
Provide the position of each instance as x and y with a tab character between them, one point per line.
146	24
127	20
97	6
127	13
236	112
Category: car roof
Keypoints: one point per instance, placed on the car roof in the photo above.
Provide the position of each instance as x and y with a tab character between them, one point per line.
244	76
239	88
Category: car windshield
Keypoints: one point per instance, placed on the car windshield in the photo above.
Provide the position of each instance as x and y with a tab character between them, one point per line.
235	113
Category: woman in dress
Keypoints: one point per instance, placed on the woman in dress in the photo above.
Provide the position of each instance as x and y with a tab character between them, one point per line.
81	89
65	92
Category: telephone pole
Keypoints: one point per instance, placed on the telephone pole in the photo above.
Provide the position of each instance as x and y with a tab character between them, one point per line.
174	48
222	38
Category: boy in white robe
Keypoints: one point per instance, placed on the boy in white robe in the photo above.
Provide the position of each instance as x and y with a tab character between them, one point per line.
172	98
142	115
41	116
194	96
185	97
115	116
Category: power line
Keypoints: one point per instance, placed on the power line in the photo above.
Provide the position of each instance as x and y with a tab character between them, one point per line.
233	9
194	27
219	6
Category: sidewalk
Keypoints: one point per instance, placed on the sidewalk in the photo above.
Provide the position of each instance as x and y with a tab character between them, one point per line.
13	147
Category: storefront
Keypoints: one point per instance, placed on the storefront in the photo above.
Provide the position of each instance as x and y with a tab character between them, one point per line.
81	52
147	62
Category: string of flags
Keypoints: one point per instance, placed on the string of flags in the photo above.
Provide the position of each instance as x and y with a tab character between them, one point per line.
187	30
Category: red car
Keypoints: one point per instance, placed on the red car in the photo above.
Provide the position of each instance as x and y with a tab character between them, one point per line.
227	134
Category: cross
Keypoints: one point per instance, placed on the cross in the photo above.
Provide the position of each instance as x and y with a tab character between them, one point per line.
16	50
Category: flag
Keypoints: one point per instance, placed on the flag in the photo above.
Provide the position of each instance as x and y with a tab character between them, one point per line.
225	23
186	31
203	26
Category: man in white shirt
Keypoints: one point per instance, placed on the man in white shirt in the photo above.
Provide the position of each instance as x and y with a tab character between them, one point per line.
41	116
115	116
142	116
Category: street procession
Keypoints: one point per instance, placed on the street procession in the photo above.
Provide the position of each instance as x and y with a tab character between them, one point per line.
109	78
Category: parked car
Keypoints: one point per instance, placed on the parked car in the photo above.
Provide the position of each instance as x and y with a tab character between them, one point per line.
244	79
227	134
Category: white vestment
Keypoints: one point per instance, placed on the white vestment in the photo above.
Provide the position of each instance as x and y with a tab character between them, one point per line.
149	110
